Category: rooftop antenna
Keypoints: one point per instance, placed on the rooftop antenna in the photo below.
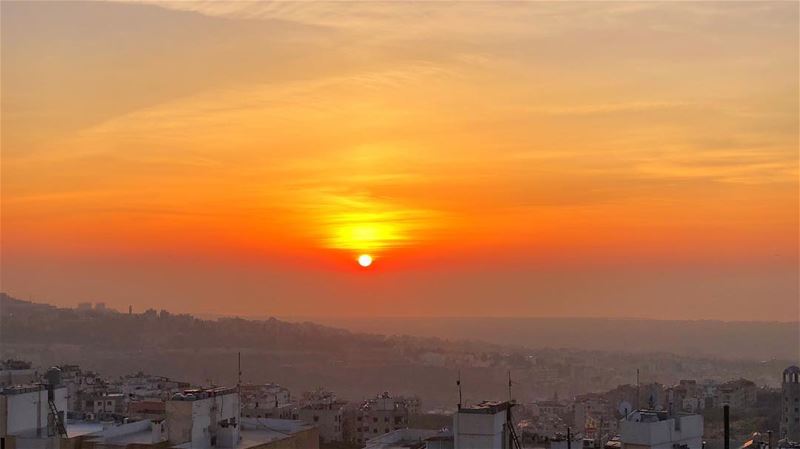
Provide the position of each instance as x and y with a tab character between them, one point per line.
458	383
638	390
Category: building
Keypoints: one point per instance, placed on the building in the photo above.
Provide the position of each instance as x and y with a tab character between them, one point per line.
738	394
103	404
25	411
790	412
16	372
329	418
265	395
549	408
486	425
379	415
266	401
203	418
153	434
145	386
147	409
687	396
650	429
594	416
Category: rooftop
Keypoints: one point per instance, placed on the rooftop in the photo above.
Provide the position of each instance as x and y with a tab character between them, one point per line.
20	389
403	438
195	394
649	416
78	428
487	407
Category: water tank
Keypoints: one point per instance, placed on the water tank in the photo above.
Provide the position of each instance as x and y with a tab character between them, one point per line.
53	376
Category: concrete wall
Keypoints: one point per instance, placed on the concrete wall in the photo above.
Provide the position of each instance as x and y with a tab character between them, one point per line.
329	421
479	430
25	414
197	421
179	421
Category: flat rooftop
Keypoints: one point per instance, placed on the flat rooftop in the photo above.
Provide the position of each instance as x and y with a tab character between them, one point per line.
20	389
487	407
78	428
196	394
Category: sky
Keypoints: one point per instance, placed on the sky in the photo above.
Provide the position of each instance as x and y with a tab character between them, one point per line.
588	159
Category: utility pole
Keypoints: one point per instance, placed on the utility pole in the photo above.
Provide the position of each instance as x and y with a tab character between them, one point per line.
509	386
726	417
458	383
569	438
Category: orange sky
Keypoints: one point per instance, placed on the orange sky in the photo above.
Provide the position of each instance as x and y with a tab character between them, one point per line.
578	159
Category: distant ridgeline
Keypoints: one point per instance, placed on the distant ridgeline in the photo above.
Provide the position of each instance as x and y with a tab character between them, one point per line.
28	322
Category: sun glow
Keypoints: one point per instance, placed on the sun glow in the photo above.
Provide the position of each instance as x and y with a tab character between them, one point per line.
365	260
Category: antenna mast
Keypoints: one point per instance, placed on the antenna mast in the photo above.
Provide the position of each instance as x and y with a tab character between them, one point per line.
509	386
458	383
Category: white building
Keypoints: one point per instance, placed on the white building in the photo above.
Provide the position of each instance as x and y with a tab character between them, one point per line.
382	414
265	396
104	403
145	386
25	411
647	429
483	426
200	419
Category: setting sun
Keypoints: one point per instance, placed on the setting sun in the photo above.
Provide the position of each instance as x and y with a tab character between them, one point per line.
365	260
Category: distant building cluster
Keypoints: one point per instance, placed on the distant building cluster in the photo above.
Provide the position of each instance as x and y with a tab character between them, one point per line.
67	407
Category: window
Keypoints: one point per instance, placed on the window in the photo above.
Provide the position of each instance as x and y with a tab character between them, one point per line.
316	418
375	419
386	430
385	419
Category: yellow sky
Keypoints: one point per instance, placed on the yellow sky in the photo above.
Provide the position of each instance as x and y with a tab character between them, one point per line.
502	145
